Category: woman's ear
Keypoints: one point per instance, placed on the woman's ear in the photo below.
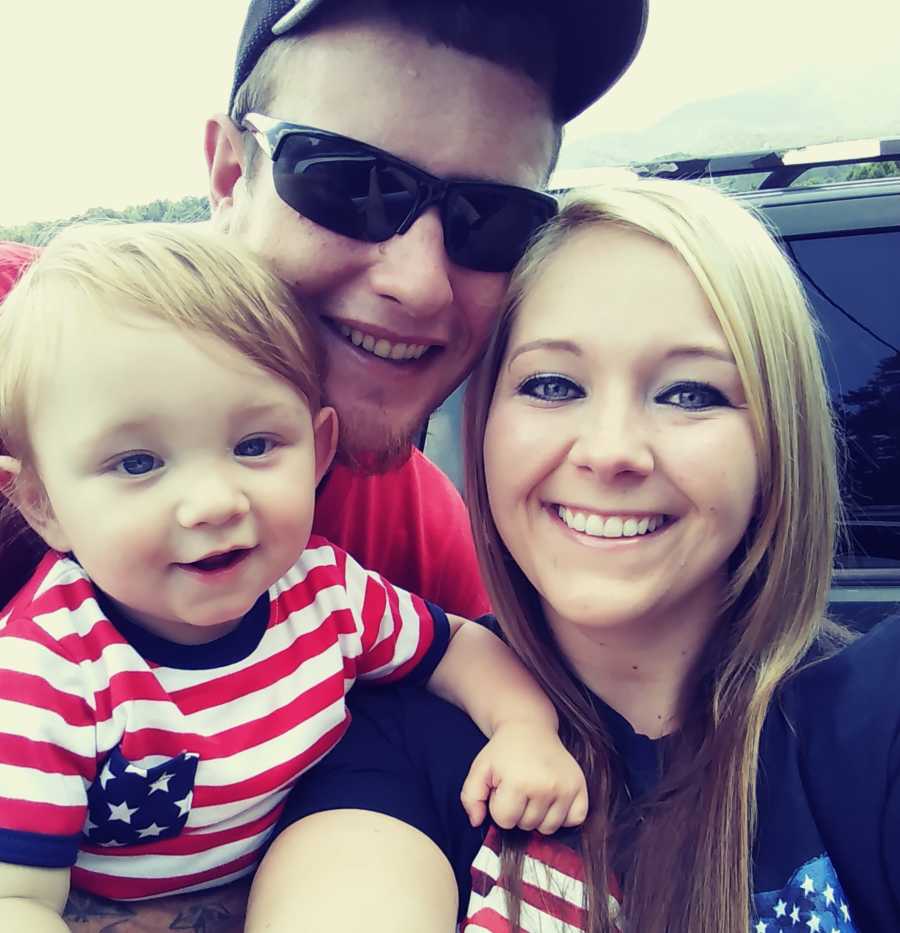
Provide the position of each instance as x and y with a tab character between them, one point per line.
24	490
325	430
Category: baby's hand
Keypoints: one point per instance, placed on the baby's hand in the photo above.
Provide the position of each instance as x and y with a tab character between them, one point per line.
531	780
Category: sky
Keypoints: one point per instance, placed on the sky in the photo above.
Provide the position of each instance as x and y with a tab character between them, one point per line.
105	100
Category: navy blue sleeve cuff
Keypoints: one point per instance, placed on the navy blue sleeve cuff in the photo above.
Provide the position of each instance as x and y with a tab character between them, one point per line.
438	648
18	847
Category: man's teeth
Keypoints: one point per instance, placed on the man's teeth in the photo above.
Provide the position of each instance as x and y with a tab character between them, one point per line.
611	526
384	348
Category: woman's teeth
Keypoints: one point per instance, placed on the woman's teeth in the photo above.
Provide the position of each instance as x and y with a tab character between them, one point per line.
610	526
381	347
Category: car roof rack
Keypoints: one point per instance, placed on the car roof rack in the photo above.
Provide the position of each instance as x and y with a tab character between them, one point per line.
783	166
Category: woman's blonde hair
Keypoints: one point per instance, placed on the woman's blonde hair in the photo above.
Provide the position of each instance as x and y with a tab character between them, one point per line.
189	276
688	847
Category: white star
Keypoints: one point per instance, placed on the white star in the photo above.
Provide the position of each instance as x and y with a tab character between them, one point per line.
845	912
152	830
779	908
813	923
761	927
808	886
835	930
134	769
828	894
184	805
89	824
106	775
121	811
162	783
795	915
112	842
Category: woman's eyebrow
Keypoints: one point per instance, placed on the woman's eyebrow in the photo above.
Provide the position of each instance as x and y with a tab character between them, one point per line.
702	349
565	345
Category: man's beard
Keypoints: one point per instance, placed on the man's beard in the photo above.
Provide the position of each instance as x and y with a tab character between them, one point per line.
366	451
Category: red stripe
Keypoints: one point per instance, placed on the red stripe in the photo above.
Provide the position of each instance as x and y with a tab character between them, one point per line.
372	613
425	637
558	856
275	777
30	630
45	756
52	820
36	692
488	918
553	905
154	741
265	673
124	889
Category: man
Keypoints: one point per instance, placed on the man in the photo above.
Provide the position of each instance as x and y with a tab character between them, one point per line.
462	90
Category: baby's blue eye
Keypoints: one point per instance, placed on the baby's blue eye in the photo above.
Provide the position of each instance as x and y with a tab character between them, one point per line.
254	447
551	387
138	464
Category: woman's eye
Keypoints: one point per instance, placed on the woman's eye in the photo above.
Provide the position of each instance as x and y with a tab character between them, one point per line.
138	464
693	396
551	388
254	447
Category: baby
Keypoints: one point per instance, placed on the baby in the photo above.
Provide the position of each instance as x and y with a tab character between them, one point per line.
183	651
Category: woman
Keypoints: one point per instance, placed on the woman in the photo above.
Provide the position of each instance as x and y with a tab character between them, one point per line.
654	498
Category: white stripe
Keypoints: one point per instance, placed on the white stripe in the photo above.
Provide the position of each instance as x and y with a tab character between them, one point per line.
202	886
229	816
535	873
251	707
36	723
39	787
249	762
26	656
169	866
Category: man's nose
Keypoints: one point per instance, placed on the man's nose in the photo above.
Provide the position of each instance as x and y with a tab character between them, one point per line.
613	440
413	268
212	500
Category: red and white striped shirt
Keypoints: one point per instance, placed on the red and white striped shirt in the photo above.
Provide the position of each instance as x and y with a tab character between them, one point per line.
155	768
552	889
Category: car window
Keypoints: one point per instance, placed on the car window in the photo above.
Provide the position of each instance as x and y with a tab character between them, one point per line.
853	283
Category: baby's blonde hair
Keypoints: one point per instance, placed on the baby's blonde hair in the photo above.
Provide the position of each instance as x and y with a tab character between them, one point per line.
189	276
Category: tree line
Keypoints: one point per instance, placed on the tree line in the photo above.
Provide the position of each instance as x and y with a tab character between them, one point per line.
190	209
187	210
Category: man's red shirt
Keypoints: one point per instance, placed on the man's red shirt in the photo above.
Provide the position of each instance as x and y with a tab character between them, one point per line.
409	524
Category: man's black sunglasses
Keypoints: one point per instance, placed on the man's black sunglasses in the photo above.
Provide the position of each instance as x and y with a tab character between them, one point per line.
368	194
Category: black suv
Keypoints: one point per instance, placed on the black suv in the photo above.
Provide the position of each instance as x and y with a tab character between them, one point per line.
844	238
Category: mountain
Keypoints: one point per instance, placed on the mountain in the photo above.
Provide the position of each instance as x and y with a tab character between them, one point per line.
814	109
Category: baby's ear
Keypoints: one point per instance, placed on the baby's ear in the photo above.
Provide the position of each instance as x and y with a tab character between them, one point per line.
24	490
10	468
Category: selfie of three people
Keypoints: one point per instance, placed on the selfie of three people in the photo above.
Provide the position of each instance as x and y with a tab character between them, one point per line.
601	692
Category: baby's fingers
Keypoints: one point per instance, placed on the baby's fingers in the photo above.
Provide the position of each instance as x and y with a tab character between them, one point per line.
508	806
578	810
475	793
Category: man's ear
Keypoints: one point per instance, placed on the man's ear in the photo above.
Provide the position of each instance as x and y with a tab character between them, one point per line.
224	149
325	430
24	490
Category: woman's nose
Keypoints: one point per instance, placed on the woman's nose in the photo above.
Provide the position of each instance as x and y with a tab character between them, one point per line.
613	441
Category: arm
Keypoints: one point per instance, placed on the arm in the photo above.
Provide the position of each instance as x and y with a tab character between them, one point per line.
530	778
33	898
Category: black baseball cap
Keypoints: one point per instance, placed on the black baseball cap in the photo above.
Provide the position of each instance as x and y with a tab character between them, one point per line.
598	41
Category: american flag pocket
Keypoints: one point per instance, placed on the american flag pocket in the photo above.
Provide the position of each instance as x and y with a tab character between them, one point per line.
129	805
